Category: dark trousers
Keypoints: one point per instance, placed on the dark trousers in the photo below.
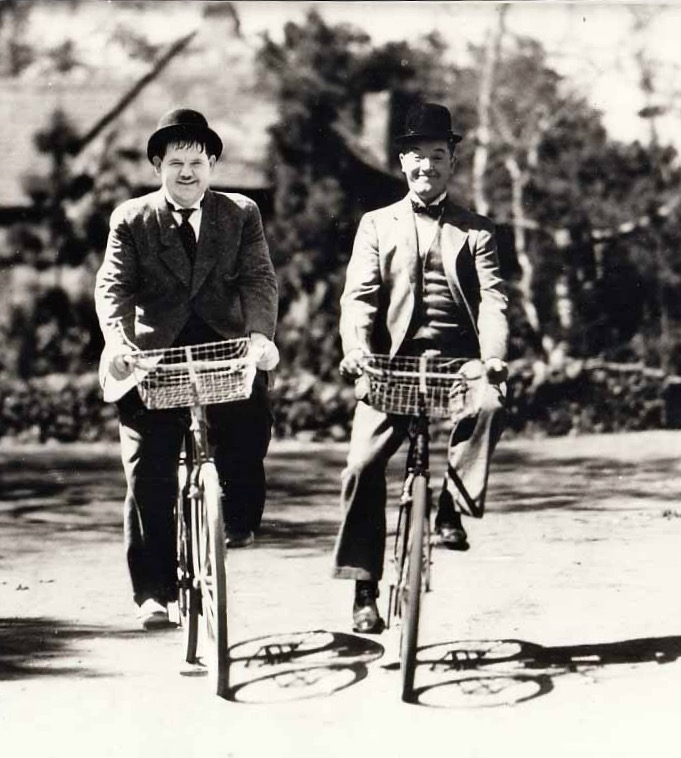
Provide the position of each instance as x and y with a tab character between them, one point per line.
240	434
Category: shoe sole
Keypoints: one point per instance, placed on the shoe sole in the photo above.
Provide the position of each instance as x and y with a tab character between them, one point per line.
460	546
378	627
236	544
156	621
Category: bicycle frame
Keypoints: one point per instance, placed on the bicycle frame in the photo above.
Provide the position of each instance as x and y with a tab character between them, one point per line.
193	377
417	465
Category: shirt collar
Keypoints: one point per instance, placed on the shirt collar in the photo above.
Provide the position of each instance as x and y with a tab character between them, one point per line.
436	201
175	207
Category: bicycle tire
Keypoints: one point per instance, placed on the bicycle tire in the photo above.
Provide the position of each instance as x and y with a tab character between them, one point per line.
400	558
211	574
411	593
188	599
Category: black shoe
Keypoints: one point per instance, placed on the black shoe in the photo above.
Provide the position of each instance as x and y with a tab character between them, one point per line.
235	539
365	616
451	533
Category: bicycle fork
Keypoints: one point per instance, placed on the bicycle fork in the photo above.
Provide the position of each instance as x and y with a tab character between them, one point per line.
417	466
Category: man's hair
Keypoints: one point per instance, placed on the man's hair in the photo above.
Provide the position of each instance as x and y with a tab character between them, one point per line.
182	144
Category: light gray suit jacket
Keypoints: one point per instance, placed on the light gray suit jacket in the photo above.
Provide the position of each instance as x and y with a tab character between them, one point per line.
145	289
382	279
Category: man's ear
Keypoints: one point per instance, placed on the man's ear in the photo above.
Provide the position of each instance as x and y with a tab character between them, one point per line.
156	161
212	160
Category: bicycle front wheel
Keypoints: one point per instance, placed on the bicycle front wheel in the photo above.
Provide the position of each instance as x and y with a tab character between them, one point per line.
411	590
188	598
211	574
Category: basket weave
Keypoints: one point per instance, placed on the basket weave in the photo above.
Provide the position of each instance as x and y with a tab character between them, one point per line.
215	372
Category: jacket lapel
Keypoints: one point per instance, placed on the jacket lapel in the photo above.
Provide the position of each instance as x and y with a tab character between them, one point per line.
171	253
407	245
454	238
218	236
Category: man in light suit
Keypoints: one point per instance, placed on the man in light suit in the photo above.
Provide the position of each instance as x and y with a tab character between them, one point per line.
184	265
423	275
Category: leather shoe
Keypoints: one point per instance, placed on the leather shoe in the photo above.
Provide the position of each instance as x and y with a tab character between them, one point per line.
452	535
239	539
365	616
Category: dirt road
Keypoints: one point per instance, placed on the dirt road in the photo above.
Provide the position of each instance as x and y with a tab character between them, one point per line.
572	582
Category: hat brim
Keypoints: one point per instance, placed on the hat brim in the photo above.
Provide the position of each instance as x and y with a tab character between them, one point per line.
405	139
183	133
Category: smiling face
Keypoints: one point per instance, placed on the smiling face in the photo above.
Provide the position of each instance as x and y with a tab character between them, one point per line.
185	172
427	164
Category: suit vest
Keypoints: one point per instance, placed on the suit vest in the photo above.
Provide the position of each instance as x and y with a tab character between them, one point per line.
439	321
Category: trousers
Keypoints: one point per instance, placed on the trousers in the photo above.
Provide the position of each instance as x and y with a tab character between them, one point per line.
151	440
375	438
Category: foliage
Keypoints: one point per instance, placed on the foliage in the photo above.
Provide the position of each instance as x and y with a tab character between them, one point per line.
618	299
321	75
49	323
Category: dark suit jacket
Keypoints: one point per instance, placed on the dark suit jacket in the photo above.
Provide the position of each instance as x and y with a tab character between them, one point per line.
382	279
145	289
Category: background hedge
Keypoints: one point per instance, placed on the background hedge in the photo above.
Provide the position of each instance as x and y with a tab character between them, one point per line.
577	397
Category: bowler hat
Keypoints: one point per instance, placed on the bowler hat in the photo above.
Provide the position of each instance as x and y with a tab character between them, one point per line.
428	121
183	125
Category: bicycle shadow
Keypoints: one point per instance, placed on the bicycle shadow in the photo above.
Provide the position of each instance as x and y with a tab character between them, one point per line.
298	665
490	673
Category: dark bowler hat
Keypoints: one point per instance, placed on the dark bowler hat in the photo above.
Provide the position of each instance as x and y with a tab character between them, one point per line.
183	125
428	121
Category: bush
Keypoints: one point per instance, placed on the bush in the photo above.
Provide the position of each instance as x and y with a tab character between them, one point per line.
576	398
55	407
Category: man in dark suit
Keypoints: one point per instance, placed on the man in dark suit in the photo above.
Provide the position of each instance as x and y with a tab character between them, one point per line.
184	265
423	275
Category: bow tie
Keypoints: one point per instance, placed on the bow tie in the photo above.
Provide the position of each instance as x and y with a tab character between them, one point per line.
434	211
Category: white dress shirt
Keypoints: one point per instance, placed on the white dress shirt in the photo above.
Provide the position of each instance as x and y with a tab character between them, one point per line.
194	219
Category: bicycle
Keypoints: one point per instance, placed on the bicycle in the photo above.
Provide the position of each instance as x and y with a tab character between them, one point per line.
423	387
193	377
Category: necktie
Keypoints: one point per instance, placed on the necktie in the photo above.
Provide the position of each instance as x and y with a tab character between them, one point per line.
433	211
187	233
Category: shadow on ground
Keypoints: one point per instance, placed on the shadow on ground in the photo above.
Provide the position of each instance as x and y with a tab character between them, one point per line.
522	481
36	647
488	673
75	488
299	665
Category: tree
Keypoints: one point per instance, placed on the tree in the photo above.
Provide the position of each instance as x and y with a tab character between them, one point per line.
321	75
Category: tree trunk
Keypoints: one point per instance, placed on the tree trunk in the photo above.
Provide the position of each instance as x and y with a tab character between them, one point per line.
519	179
484	131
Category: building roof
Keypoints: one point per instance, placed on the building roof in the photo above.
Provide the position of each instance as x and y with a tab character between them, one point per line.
236	105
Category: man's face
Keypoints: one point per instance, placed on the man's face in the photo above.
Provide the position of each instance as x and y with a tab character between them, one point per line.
427	164
185	172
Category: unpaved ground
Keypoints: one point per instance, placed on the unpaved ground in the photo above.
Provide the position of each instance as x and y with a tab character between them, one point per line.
575	569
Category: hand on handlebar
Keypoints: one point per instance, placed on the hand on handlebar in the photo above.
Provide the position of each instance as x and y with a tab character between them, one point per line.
119	366
497	370
351	365
264	352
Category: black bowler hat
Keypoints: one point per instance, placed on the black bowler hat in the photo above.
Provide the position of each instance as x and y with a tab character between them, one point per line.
428	121
183	125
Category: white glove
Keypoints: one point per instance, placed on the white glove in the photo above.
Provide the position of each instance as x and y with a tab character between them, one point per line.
264	352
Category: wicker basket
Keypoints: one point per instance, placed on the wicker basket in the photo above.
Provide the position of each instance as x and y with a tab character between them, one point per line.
411	385
214	372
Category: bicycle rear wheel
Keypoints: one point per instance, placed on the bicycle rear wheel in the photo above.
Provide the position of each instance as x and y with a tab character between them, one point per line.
188	598
211	575
411	590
